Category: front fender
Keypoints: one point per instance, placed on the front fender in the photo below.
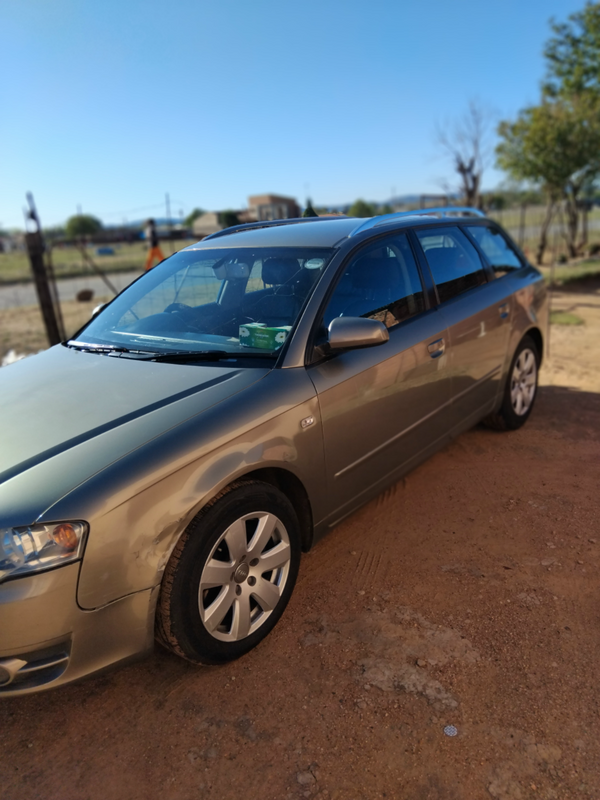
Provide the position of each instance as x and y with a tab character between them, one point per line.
138	507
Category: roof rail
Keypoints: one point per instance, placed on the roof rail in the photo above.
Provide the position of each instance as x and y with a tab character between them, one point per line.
442	211
245	226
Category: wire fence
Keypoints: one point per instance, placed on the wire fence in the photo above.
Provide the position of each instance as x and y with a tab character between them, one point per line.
524	224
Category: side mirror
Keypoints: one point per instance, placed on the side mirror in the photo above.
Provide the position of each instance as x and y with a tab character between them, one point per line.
349	333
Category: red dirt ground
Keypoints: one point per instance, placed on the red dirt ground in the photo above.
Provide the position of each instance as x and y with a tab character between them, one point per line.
467	595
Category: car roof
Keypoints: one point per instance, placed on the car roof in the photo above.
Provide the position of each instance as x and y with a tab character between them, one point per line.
319	232
325	231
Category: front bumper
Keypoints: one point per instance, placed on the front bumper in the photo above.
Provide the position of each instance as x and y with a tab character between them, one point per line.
46	640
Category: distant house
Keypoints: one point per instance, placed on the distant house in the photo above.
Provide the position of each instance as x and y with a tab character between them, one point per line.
207	223
262	207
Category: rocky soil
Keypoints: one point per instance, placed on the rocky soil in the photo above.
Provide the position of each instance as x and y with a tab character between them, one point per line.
441	644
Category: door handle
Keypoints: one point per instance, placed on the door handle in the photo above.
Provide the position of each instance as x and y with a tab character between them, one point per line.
437	348
504	310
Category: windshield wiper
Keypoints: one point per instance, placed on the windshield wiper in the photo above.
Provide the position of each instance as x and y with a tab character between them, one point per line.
203	355
172	355
86	347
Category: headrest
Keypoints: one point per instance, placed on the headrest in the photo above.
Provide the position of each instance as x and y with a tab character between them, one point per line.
276	271
231	272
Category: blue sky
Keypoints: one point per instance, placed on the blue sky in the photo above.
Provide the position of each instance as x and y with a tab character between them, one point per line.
109	105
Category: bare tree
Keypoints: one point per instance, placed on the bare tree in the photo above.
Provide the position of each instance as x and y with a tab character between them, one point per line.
467	142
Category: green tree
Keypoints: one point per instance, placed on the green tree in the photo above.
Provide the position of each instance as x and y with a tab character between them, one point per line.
360	208
573	55
557	146
495	201
82	225
385	209
192	217
54	232
228	218
309	210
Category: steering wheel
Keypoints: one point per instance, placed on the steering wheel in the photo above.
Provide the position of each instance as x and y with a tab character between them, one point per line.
177	308
185	314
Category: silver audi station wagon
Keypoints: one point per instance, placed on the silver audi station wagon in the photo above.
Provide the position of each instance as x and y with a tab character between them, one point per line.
162	471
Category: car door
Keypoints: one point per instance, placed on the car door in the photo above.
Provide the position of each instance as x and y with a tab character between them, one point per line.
382	408
477	315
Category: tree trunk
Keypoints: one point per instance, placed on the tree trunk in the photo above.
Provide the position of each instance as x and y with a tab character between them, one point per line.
470	181
584	227
572	214
471	188
543	242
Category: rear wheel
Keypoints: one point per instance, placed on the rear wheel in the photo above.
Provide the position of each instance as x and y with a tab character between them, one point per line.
520	390
231	575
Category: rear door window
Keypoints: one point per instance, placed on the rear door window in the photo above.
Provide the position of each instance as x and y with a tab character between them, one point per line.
454	262
497	250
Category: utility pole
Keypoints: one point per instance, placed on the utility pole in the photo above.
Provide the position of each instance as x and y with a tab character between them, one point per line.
43	276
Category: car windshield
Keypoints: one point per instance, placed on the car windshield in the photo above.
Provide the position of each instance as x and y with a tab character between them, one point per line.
237	301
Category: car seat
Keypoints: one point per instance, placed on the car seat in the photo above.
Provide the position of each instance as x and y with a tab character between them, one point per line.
280	303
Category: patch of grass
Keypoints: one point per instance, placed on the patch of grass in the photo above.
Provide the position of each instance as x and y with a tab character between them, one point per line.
565	318
571	274
590	274
22	328
68	263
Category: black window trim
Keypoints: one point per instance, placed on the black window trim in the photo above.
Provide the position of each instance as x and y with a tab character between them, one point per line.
495	227
429	299
485	267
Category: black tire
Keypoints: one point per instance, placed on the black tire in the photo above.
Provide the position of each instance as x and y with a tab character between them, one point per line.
517	404
238	519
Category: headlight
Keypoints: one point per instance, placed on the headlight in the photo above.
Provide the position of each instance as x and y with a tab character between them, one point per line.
38	547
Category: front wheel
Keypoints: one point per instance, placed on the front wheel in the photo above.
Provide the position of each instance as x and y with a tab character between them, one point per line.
520	390
231	575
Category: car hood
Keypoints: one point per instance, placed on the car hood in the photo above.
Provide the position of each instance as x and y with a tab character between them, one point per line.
62	399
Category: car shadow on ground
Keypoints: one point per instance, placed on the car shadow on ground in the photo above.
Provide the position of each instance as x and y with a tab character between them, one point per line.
564	405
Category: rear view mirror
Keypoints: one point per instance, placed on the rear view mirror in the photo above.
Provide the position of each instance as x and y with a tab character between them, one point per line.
232	272
348	333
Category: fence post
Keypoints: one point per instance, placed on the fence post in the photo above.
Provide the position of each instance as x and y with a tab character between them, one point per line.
43	276
52	320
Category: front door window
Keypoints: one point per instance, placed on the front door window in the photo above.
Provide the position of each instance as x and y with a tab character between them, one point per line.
382	282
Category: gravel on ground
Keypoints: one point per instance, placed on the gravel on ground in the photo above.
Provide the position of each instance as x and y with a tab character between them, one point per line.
441	644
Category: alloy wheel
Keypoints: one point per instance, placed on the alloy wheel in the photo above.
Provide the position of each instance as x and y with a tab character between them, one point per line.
244	576
523	382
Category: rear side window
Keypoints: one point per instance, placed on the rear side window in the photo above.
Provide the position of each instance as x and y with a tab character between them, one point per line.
382	282
454	262
497	250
